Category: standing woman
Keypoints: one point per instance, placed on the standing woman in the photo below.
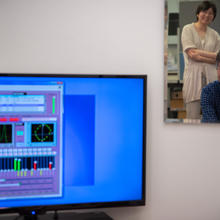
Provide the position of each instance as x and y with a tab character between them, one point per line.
201	45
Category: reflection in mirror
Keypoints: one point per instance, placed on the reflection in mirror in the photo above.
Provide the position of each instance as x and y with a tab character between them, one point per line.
191	53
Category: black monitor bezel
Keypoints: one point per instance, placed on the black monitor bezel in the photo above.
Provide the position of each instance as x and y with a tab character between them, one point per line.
42	208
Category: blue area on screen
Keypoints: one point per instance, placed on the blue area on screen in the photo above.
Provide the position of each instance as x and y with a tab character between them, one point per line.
79	122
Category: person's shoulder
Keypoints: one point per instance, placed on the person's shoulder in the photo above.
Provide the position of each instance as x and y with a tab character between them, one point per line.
211	86
188	26
215	84
213	31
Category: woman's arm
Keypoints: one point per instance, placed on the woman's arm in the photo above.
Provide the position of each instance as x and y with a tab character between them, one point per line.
191	50
202	55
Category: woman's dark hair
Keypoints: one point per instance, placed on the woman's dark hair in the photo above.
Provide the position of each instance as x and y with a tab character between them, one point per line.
204	6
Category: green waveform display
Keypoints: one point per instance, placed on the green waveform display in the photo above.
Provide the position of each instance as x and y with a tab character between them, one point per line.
5	134
42	132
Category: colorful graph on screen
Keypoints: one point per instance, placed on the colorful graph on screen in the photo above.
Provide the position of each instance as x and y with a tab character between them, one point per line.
31	140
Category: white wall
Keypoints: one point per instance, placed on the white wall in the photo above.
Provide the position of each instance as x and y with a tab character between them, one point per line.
120	36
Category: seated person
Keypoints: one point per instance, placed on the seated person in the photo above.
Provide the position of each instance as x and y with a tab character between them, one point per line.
210	100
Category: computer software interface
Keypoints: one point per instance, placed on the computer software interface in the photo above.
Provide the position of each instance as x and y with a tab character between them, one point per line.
31	122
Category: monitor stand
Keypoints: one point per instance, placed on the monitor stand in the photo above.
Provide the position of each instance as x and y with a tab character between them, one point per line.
30	217
85	216
69	216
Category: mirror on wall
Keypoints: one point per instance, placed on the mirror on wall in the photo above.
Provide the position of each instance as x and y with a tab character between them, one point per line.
186	72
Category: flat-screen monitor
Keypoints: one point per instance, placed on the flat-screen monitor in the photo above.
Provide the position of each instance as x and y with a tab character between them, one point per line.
71	141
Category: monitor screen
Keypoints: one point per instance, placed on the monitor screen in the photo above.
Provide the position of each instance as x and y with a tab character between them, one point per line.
69	139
